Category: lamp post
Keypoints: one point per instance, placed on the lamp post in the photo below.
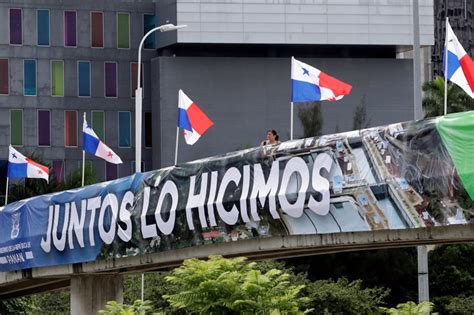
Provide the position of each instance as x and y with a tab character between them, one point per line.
138	95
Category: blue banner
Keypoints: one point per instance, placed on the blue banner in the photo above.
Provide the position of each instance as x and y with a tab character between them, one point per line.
398	176
66	227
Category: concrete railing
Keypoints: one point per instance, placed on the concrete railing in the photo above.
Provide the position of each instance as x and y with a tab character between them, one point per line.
46	278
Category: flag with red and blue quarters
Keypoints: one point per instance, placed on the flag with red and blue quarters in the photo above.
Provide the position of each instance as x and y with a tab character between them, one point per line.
460	65
20	166
309	84
93	145
191	119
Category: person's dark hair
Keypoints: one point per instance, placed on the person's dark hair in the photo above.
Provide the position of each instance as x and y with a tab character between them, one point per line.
274	133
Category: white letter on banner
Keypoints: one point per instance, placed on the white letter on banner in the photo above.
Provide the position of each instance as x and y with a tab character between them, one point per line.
92	205
60	243
46	244
211	199
245	191
297	166
77	225
229	217
148	230
196	201
262	190
169	188
109	201
320	184
124	216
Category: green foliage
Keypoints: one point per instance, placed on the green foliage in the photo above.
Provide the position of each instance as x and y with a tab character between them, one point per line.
56	302
410	308
344	297
452	278
15	306
460	305
452	270
434	209
464	200
74	180
359	120
232	286
380	268
433	101
155	287
137	308
311	118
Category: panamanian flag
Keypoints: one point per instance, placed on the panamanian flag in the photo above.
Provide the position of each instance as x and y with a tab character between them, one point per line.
93	145
309	84
460	65
20	166
191	119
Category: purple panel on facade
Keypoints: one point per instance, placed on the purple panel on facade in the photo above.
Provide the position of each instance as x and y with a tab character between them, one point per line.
110	79
58	170
44	128
111	171
70	28
15	27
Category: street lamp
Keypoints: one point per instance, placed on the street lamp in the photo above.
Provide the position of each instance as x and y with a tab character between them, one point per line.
138	95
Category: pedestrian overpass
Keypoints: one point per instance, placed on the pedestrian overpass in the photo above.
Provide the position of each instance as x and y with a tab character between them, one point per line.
400	185
94	283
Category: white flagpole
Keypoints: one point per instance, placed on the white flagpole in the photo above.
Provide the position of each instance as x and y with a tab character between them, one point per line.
143	287
83	166
6	194
291	115
176	150
291	123
83	156
446	69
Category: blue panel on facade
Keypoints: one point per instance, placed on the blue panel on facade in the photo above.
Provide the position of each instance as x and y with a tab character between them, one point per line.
124	129
84	78
29	77
149	24
42	19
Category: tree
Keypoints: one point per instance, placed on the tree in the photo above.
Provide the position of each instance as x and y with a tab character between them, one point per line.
344	297
155	287
74	180
232	286
359	120
410	308
377	268
460	305
15	306
311	118
452	278
451	270
56	302
137	308
433	102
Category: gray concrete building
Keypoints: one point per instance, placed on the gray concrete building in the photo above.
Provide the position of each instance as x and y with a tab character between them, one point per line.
46	48
233	60
461	18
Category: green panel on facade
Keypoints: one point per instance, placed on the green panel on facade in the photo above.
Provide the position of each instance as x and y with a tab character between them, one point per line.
123	30
57	78
98	124
16	127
